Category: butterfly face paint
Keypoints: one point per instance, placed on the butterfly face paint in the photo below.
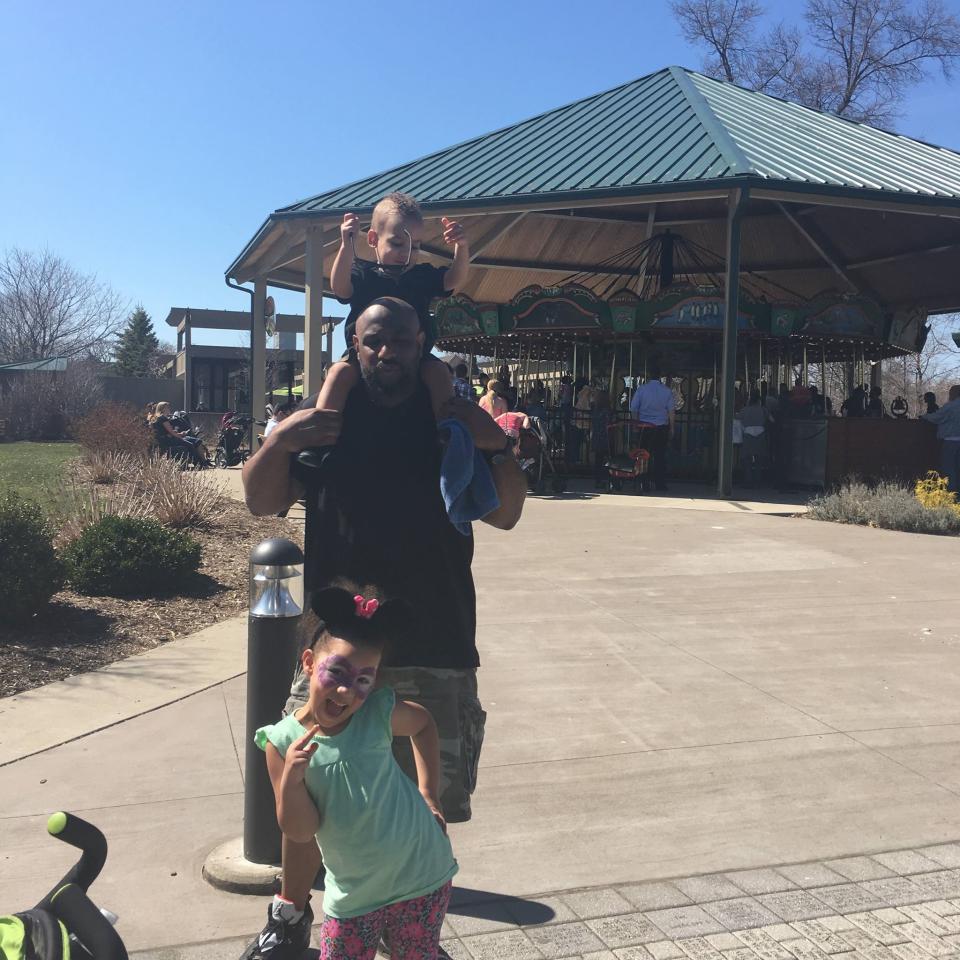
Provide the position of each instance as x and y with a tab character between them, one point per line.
337	671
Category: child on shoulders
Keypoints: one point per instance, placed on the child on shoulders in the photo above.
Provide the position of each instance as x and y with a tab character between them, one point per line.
395	234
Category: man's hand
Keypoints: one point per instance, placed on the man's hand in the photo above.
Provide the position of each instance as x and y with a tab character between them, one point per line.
307	428
453	232
298	756
348	229
485	431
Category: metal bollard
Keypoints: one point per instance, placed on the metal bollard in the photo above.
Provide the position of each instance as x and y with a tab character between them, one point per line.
276	605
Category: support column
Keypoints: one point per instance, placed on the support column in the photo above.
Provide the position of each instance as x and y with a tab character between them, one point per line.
313	314
187	366
735	204
258	356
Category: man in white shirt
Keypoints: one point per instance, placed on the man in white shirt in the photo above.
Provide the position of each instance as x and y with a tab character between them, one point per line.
654	408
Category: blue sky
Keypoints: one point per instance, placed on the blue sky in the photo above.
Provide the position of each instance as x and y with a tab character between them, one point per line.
147	142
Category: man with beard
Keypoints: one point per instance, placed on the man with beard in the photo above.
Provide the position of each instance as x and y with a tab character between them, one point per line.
378	517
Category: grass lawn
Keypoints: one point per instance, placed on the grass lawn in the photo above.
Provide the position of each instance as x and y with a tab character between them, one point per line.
34	469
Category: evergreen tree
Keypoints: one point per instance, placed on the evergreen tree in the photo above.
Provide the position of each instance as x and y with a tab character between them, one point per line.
136	345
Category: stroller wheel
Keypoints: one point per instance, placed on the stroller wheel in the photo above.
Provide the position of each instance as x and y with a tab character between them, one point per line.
220	458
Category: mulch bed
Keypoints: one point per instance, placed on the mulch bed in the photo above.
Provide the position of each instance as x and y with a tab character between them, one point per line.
79	633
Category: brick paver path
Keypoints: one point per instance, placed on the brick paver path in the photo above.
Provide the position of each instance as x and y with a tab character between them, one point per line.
903	905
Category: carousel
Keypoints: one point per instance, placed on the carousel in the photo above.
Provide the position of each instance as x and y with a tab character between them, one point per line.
668	313
729	238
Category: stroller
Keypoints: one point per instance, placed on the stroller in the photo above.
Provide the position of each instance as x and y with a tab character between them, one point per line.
232	446
534	458
65	924
630	466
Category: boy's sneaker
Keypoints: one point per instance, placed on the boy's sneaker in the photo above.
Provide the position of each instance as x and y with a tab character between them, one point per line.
282	938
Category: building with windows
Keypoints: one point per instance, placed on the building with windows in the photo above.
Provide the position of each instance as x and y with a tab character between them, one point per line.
217	378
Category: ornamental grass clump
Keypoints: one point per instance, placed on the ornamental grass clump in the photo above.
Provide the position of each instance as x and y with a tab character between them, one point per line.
176	497
30	572
887	505
130	557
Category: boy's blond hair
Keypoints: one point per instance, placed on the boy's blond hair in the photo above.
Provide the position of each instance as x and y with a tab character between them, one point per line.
400	203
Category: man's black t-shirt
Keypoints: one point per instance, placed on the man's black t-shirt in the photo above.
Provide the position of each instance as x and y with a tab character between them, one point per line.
418	286
380	519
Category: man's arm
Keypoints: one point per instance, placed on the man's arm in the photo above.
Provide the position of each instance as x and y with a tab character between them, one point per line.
268	485
511	484
507	476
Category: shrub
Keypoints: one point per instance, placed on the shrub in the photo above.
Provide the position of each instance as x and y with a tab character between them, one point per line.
887	505
174	496
932	493
30	573
127	556
41	405
113	428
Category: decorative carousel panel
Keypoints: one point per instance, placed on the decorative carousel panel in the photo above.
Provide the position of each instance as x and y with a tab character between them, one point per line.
856	317
624	311
570	307
458	316
783	320
696	308
908	329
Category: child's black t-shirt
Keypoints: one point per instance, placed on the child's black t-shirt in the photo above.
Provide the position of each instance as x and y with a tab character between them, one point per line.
418	286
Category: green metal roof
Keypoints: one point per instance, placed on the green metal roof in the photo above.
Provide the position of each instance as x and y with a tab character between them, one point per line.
674	126
49	365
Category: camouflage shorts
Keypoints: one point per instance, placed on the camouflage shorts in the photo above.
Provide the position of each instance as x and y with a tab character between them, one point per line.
451	698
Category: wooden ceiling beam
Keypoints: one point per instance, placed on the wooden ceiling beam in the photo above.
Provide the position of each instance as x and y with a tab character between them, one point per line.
903	255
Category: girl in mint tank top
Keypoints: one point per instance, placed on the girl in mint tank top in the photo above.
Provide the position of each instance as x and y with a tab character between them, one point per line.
388	859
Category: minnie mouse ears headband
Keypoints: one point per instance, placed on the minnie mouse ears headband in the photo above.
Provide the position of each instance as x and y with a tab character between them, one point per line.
350	612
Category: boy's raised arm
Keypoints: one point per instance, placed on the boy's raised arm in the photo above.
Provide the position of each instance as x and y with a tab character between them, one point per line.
456	275
340	282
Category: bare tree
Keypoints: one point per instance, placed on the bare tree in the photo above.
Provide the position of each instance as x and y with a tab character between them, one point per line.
866	53
49	309
935	368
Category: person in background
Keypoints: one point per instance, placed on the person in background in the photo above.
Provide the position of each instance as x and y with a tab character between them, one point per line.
856	404
930	399
584	401
818	404
461	385
875	407
947	419
654	408
175	443
800	398
600	418
512	423
754	453
493	401
279	415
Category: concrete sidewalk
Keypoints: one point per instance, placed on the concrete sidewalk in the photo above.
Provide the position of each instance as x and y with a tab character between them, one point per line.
672	692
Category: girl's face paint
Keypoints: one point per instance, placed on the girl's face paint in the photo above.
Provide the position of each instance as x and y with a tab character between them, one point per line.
337	671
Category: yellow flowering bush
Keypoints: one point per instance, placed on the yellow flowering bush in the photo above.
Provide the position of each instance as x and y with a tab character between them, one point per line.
932	493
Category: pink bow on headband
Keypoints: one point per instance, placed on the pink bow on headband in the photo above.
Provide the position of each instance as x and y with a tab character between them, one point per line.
366	608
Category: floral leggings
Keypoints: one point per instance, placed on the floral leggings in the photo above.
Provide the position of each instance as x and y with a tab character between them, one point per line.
412	929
